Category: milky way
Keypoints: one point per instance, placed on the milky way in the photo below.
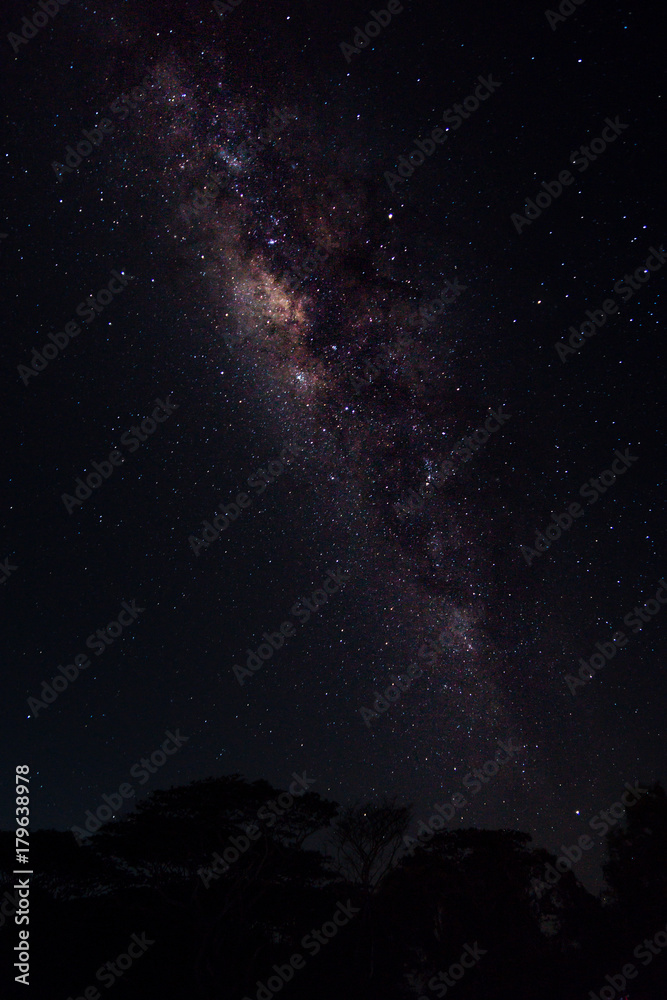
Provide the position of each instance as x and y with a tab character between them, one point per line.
401	336
297	261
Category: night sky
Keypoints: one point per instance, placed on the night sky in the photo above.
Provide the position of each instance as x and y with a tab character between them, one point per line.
220	319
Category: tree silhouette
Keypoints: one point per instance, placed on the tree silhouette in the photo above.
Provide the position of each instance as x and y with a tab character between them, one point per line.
225	908
170	849
367	839
636	871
